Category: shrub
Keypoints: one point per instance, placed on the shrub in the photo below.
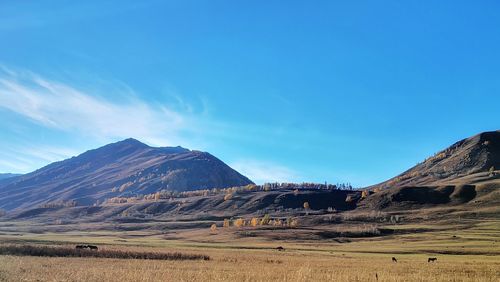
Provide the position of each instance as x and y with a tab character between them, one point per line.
226	223
213	228
45	251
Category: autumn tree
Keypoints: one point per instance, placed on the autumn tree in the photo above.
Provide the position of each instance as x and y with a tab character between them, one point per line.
265	220
213	228
239	222
227	223
278	222
254	222
306	207
364	194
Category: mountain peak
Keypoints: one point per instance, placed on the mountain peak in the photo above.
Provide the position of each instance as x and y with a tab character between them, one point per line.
130	141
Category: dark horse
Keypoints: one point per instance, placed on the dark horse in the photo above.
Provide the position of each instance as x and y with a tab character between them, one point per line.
90	247
432	259
394	259
280	248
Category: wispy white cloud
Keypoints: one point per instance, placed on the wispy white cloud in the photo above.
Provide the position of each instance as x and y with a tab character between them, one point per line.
63	107
26	158
48	153
261	172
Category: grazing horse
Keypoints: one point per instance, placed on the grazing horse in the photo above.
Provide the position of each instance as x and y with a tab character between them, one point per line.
92	247
432	259
394	259
81	246
280	248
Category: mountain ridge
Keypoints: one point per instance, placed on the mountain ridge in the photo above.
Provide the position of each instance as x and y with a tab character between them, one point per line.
125	167
469	156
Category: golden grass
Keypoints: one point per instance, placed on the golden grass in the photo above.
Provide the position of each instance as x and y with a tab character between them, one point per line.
252	265
467	250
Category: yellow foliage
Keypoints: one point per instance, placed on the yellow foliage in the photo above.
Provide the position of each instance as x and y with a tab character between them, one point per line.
213	228
239	222
254	222
227	223
278	222
364	194
265	220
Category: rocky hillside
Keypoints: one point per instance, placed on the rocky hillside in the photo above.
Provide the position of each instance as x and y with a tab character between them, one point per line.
457	164
124	168
464	173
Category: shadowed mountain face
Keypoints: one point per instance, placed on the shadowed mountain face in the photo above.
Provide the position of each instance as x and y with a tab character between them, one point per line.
458	163
123	168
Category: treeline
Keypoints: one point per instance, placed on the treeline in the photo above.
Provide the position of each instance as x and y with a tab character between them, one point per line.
228	192
266	220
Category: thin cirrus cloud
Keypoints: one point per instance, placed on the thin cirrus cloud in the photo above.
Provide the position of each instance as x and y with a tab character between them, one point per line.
59	106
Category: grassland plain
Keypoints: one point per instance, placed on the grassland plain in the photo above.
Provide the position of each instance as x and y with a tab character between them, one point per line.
466	252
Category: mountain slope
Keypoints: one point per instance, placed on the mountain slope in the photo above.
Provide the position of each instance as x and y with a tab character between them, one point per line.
465	173
8	175
118	169
459	163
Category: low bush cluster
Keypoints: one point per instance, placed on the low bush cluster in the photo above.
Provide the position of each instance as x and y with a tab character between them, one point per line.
46	251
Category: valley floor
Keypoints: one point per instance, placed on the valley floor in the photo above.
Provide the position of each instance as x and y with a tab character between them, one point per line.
466	252
252	265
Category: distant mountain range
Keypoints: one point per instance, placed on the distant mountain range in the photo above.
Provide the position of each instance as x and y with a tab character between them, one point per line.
464	173
124	168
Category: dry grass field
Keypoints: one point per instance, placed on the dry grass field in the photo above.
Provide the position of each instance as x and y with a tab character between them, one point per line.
254	265
467	252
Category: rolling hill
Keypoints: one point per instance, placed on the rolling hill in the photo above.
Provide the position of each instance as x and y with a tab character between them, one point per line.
466	173
466	162
124	168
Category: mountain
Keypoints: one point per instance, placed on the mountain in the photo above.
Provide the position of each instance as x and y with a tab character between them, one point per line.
124	168
468	160
464	173
8	175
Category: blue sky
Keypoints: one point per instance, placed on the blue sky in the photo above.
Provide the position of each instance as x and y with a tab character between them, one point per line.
353	91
